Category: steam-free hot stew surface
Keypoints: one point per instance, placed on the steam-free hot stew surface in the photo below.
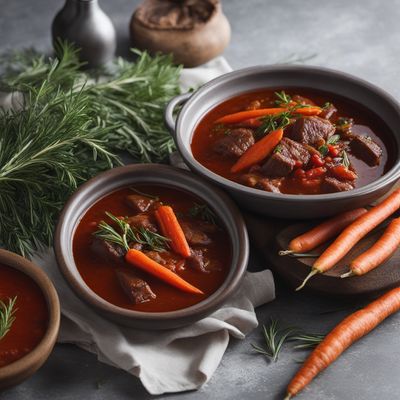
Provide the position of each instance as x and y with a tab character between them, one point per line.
329	144
30	312
105	269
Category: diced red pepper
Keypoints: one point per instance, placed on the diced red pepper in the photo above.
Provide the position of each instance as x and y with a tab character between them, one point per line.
300	173
315	172
328	159
317	161
298	164
333	150
341	172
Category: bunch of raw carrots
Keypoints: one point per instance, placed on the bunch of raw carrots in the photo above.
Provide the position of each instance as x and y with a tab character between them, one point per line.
351	227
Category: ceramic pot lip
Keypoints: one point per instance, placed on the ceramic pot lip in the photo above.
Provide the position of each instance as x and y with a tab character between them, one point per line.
230	77
184	181
33	360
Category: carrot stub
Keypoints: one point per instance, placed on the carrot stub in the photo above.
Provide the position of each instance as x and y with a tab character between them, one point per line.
323	232
140	260
387	244
258	151
171	228
353	234
342	336
263	112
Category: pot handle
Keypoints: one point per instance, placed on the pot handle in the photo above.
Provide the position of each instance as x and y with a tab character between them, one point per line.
169	118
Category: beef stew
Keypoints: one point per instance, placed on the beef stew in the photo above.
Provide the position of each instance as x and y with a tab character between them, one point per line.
329	144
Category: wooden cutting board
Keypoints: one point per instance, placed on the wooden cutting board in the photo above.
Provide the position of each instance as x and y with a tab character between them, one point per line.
270	235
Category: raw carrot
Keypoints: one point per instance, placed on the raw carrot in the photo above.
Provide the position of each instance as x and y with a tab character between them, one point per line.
171	228
140	260
323	232
353	234
387	244
352	328
262	112
258	151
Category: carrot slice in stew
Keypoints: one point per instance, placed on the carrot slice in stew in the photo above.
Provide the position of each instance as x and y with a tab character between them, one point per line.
353	234
171	228
140	260
258	151
378	253
352	328
262	112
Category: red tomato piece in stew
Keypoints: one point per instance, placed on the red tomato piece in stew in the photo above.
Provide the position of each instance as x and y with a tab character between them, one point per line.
104	268
31	315
329	144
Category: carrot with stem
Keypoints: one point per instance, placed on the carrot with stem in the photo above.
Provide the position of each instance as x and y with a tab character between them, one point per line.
387	244
322	232
126	235
352	328
258	151
353	234
171	228
263	112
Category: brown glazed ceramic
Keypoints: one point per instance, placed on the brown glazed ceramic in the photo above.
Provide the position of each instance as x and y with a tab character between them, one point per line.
279	205
26	366
155	174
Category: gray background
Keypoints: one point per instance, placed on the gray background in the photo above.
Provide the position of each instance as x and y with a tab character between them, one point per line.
361	37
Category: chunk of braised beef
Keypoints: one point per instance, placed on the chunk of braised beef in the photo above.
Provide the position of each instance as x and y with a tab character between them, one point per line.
366	150
259	182
294	150
135	288
333	185
139	203
328	112
194	234
254	105
235	143
278	165
167	259
302	100
142	221
310	130
197	260
107	250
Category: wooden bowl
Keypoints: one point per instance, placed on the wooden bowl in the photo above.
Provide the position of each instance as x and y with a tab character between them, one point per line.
26	366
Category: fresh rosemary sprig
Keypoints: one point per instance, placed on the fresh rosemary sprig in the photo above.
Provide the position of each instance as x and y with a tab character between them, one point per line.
283	98
68	128
7	316
307	341
203	212
272	122
151	240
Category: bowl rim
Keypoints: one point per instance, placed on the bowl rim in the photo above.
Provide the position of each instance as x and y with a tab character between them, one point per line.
388	177
40	353
87	294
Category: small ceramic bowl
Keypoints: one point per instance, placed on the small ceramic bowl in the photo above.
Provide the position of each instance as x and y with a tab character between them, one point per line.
117	178
197	104
26	366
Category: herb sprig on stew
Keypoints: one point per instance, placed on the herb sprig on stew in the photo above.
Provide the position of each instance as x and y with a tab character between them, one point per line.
7	316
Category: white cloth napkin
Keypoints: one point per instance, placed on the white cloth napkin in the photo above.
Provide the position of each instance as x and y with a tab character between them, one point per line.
165	361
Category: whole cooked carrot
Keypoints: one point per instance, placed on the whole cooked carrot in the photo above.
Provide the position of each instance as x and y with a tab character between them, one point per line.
387	244
171	228
140	260
323	232
258	151
352	328
353	234
262	112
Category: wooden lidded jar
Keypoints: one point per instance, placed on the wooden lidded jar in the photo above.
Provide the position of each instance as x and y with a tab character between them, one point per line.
194	31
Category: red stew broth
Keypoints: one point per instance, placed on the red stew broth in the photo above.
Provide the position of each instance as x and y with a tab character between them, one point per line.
31	315
366	122
99	274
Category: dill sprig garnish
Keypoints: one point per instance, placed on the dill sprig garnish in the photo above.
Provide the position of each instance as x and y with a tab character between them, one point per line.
126	234
7	316
69	127
204	212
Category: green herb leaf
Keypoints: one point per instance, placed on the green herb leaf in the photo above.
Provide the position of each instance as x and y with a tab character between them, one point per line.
283	98
323	150
7	316
278	149
345	159
333	139
204	212
273	122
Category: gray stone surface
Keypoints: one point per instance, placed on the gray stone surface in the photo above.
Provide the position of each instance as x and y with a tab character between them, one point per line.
361	37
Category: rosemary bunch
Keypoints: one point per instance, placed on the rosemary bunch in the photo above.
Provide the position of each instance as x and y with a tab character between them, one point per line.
70	127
